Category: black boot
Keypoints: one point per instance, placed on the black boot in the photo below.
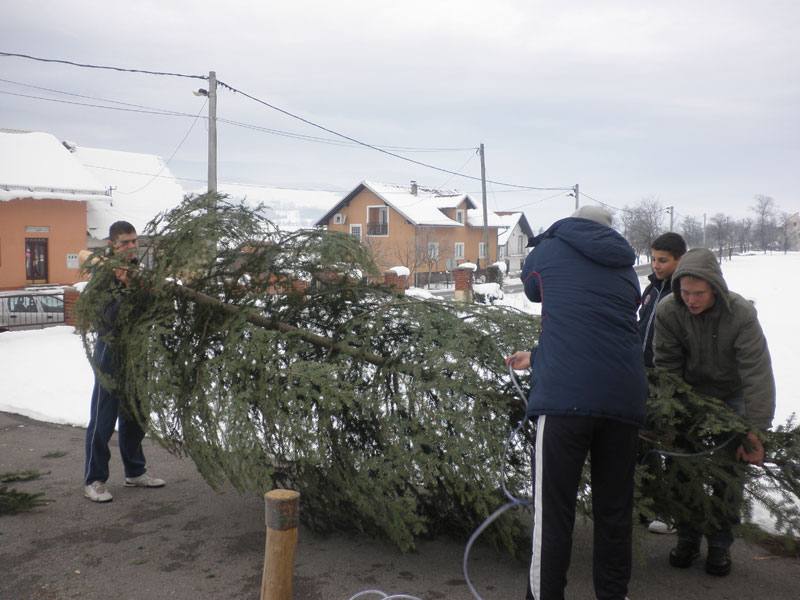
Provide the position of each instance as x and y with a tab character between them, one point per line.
683	554
718	561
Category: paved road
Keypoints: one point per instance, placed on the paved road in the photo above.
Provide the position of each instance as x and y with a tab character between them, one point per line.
188	542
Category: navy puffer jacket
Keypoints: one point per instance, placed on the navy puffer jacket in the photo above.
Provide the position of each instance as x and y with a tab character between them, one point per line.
589	359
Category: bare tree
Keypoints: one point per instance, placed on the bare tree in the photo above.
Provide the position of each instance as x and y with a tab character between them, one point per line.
425	250
765	221
692	231
721	228
742	231
643	223
786	230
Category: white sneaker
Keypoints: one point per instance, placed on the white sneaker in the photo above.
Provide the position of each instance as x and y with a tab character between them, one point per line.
97	492
660	527
145	480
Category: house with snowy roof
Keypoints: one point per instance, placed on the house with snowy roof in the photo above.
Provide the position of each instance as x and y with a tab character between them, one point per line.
44	193
513	239
429	231
57	198
141	187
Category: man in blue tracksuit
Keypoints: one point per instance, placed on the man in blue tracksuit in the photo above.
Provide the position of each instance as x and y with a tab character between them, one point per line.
588	392
105	407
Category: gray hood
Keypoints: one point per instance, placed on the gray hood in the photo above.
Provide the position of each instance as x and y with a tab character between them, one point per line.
701	263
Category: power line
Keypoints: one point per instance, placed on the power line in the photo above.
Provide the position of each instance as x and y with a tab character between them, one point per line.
231	183
376	148
152	110
536	202
603	203
461	168
89	66
133	110
46	89
283	111
173	154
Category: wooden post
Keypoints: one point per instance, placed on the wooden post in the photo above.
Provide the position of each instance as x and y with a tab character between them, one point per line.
282	508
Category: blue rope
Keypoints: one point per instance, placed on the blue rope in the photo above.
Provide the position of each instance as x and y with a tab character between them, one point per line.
513	501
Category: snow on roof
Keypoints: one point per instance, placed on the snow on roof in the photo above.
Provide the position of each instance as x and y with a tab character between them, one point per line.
400	271
421	208
287	208
142	187
34	164
475	219
509	221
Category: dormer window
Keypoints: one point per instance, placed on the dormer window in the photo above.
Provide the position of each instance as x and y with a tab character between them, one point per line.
460	215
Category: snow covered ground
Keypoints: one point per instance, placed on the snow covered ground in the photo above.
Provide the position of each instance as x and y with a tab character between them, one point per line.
46	376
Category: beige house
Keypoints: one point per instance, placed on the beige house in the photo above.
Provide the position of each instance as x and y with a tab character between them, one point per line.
429	231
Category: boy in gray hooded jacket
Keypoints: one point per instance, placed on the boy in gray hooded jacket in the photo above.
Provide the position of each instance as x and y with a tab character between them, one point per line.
711	337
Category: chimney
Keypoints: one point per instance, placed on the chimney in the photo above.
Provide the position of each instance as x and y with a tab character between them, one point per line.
413	188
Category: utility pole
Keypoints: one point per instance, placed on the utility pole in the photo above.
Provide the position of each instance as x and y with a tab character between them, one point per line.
671	211
485	212
575	191
212	132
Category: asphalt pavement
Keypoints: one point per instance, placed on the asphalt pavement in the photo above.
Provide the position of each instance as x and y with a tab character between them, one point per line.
188	542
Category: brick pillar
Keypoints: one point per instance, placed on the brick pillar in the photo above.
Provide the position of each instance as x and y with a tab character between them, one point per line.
398	282
463	280
70	298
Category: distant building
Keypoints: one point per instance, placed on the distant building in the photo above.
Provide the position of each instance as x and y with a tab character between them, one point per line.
512	240
44	193
427	230
141	187
286	208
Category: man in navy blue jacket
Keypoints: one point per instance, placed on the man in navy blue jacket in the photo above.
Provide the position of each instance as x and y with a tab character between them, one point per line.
588	393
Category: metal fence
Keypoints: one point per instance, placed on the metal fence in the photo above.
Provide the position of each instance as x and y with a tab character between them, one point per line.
31	310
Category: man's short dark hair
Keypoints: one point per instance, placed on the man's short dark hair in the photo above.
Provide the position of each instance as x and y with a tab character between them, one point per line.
670	242
119	228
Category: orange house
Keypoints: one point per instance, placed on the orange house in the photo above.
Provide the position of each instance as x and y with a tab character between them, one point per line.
429	231
43	196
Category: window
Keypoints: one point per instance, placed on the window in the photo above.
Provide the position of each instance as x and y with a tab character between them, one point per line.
433	250
481	250
52	304
377	220
460	216
520	245
22	304
355	231
459	250
337	219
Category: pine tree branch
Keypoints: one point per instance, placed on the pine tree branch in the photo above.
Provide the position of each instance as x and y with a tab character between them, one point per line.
266	323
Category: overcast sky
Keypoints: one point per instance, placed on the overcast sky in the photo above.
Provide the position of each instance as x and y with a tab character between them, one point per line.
696	103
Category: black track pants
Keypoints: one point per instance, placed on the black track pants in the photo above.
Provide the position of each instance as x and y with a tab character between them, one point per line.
562	444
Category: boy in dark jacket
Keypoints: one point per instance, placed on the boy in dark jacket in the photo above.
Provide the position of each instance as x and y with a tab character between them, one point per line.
711	337
666	252
588	391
